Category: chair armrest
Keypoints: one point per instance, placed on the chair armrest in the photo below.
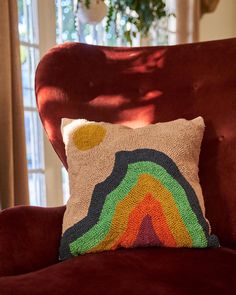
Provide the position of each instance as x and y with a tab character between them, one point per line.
29	238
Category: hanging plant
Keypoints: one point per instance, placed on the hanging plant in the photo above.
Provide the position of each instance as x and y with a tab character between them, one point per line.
136	15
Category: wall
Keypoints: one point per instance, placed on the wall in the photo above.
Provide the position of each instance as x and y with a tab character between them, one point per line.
221	23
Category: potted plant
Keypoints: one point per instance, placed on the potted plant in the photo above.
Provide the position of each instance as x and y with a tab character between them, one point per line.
91	11
129	16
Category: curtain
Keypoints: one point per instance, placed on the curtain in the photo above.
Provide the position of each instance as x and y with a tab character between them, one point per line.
13	164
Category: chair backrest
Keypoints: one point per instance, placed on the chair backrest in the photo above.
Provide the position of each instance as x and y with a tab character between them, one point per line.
138	86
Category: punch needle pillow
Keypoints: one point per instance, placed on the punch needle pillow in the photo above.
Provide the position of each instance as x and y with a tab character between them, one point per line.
133	187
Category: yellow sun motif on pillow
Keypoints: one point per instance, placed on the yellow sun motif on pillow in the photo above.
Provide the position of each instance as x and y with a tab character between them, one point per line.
88	136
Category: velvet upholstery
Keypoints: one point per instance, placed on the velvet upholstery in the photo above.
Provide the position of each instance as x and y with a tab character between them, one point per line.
150	271
29	238
132	86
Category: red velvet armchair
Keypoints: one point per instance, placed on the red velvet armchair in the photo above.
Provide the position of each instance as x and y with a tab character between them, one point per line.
132	86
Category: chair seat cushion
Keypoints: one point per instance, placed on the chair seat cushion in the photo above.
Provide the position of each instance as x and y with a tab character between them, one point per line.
136	271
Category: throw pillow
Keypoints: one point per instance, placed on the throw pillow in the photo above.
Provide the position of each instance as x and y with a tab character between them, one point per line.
133	187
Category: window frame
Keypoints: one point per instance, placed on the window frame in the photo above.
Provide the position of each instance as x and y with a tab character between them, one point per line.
45	32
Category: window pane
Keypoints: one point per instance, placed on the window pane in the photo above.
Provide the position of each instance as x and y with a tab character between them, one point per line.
29	61
65	28
25	66
34	140
37	189
29	98
28	21
65	183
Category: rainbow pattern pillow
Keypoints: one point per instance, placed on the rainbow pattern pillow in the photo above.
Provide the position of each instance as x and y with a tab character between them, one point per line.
133	187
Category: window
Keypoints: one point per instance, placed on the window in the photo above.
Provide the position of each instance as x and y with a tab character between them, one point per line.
29	48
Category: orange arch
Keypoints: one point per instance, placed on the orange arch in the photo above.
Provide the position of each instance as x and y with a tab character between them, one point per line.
148	206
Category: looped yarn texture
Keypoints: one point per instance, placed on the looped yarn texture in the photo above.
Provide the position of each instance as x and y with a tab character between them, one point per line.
134	187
